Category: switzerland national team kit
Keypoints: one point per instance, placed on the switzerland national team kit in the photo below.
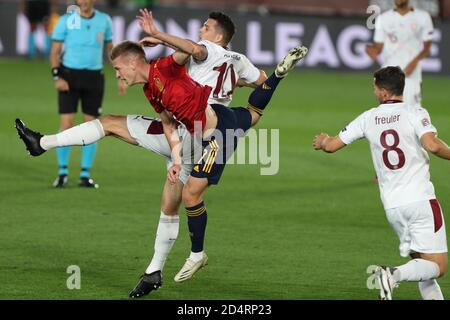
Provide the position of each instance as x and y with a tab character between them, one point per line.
174	87
393	130
403	38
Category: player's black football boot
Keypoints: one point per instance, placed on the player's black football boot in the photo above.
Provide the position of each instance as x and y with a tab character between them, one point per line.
30	138
61	181
88	183
146	284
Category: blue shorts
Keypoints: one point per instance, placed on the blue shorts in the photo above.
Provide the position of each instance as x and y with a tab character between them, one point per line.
232	123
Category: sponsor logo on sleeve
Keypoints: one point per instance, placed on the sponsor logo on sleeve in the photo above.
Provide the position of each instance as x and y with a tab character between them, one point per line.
425	122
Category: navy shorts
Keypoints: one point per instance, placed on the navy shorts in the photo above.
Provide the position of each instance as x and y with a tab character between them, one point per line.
85	85
232	123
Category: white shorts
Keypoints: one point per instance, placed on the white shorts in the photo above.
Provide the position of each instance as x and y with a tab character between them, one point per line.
148	133
420	227
412	92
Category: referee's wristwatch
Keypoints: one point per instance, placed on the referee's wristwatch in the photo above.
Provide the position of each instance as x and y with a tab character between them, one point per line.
56	73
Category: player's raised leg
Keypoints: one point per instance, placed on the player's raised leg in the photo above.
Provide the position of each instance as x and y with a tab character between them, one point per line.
261	96
80	135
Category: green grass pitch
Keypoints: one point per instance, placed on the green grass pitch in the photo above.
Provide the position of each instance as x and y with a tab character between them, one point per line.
308	232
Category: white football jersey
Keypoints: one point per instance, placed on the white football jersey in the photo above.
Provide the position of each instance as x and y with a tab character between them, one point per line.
403	37
221	70
402	165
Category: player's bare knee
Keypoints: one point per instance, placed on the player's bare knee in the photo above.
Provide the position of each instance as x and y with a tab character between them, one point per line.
190	198
111	123
169	208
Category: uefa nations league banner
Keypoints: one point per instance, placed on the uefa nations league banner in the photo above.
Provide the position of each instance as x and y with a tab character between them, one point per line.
334	43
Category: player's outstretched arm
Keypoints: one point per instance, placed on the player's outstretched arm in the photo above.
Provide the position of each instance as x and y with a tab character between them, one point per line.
436	146
146	22
328	144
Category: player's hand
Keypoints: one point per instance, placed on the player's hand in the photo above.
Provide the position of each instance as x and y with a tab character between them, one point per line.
122	86
61	85
174	173
319	140
146	22
150	42
410	67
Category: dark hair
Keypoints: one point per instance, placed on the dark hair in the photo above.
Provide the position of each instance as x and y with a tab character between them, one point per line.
127	47
225	23
390	78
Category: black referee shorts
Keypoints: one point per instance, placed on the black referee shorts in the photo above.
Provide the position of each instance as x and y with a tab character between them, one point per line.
85	85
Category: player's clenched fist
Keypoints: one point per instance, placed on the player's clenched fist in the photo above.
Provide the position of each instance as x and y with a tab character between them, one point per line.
319	140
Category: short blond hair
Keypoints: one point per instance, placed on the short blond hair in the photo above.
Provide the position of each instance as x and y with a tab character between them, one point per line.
127	47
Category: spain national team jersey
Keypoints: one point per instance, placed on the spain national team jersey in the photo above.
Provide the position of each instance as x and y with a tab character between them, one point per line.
403	37
394	130
170	87
221	70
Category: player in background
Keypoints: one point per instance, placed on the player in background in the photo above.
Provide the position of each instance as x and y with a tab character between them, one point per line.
399	135
404	36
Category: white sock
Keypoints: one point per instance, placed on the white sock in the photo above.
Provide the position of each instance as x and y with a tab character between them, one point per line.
196	256
430	290
80	135
166	235
416	270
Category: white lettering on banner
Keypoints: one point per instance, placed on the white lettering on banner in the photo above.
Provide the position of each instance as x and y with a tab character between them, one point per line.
433	63
322	50
1	46
118	23
254	52
357	59
23	28
286	37
347	50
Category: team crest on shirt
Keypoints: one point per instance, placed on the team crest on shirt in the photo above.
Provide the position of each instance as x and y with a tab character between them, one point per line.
343	130
158	84
425	122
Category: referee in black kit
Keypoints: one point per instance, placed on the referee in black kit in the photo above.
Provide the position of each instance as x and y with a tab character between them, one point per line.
77	73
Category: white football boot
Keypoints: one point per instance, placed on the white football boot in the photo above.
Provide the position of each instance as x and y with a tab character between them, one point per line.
385	281
290	60
190	268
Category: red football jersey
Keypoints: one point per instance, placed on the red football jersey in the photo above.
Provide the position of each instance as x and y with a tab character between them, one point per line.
170	87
